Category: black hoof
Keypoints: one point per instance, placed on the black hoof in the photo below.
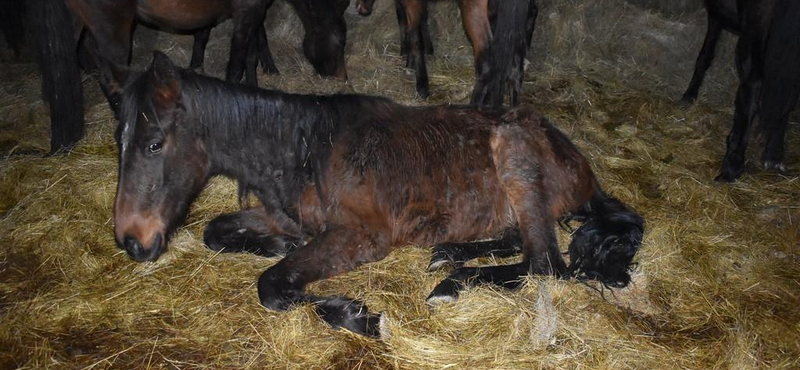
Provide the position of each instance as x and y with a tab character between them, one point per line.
687	101
351	315
423	90
441	259
445	292
728	175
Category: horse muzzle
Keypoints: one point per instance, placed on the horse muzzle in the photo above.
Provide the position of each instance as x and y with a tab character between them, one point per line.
139	252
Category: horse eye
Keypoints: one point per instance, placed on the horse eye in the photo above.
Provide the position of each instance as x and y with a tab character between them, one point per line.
154	147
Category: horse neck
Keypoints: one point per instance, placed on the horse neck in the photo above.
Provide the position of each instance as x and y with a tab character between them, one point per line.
251	133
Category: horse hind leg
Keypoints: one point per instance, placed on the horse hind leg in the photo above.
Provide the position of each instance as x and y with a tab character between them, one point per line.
264	54
335	251
519	170
250	231
777	101
457	254
704	59
199	49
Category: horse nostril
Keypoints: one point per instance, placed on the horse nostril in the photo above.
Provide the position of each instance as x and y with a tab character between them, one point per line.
132	246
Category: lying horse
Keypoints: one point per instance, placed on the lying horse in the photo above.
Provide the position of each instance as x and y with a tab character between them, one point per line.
344	179
722	15
767	57
59	24
500	32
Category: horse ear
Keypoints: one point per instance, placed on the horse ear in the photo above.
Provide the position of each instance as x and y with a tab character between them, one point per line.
166	81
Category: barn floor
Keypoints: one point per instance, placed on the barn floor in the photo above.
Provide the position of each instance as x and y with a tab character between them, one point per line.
718	277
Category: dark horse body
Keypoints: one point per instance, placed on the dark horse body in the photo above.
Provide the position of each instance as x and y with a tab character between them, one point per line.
500	32
58	26
768	62
344	179
722	15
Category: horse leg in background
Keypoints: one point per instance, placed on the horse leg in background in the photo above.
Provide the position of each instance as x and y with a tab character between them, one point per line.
749	63
251	231
199	49
334	251
521	177
781	85
530	24
264	54
426	34
456	254
400	11
704	59
415	11
499	53
246	21
110	32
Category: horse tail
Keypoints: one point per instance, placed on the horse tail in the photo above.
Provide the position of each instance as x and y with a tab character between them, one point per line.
603	247
504	60
57	57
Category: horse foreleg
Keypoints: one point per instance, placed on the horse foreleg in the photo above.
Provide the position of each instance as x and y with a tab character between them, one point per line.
199	49
246	20
264	54
416	11
746	106
778	99
400	11
456	254
252	231
334	251
704	59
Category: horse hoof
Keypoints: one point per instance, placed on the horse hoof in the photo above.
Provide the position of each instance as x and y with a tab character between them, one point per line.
440	259
445	292
437	300
686	101
774	165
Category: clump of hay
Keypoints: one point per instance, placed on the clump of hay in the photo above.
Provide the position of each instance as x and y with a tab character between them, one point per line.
715	286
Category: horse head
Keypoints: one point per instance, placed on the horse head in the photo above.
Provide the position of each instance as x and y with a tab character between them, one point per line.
162	165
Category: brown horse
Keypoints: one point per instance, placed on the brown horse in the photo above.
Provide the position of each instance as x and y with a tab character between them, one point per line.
344	179
59	24
500	32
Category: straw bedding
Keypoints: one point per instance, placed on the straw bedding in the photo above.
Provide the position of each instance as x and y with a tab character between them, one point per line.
717	279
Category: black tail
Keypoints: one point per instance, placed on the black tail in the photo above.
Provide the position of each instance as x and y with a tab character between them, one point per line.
603	247
56	54
503	63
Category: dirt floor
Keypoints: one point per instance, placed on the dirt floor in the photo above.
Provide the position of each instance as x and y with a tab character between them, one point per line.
717	279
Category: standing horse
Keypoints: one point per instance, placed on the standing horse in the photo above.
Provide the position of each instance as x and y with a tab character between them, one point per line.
768	62
722	15
500	32
345	178
110	24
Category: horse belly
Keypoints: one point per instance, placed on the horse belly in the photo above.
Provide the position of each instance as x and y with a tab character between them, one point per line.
184	15
464	207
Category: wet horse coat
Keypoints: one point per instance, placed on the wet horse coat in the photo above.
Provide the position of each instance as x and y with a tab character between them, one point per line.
344	179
